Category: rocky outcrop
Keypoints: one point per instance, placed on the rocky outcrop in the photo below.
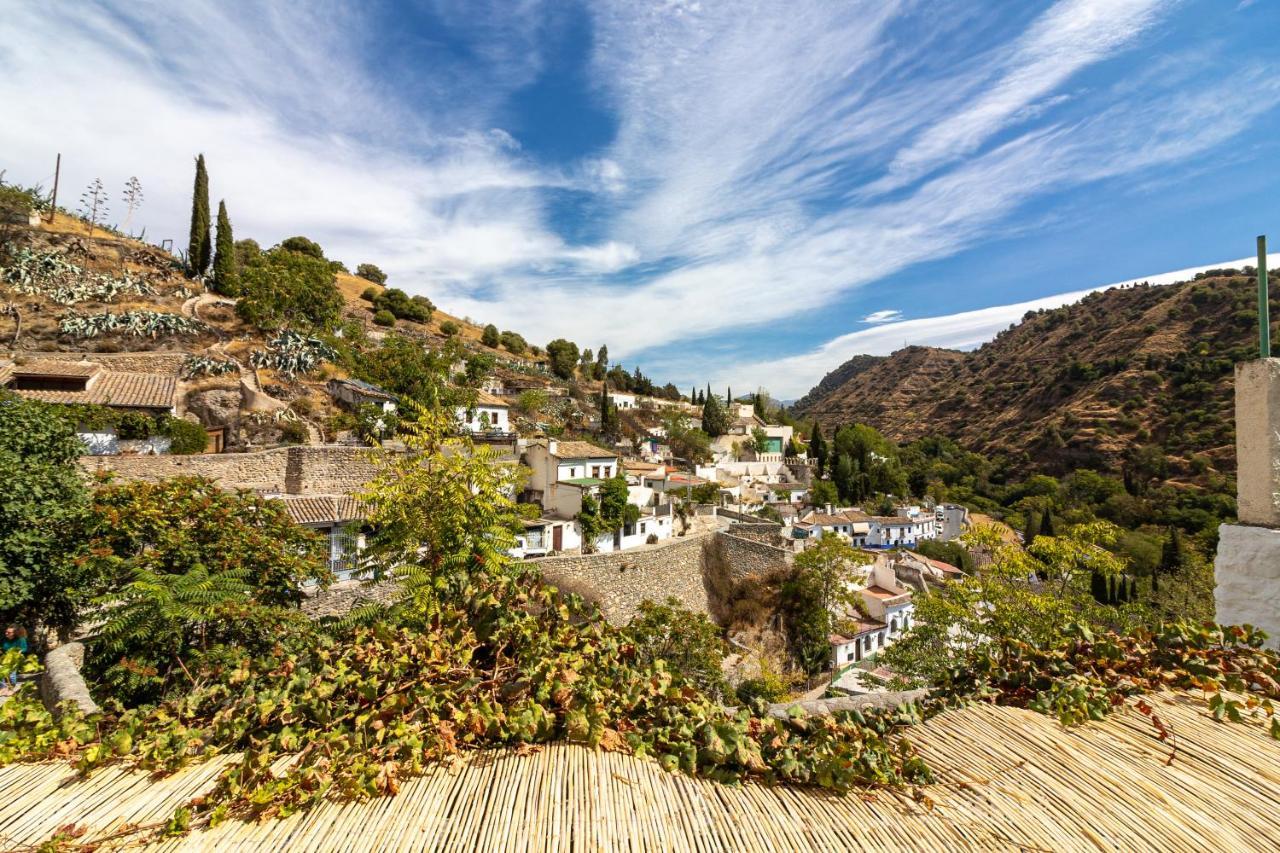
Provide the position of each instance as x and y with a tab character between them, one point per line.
62	682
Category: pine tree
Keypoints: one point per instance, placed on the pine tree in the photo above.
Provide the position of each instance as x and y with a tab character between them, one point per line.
818	448
226	275
199	247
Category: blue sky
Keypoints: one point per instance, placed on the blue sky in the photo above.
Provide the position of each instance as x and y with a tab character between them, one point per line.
744	193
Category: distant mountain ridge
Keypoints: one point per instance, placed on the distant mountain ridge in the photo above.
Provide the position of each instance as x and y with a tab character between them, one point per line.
1077	386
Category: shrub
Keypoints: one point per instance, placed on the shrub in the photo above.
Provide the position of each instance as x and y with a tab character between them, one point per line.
135	426
514	342
288	287
449	328
404	307
490	337
187	438
370	293
303	246
384	318
338	266
765	689
293	432
370	272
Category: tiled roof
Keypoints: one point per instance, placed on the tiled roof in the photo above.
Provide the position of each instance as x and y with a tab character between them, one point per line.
105	388
940	566
53	367
881	592
484	398
896	519
365	388
323	509
582	450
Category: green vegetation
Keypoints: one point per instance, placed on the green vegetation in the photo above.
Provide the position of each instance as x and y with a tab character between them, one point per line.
401	306
199	246
281	287
226	275
489	337
513	343
564	357
688	644
370	272
42	516
180	593
303	246
715	420
449	328
384	318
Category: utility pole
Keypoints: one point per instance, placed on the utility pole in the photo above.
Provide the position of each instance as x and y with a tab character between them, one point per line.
57	173
1264	300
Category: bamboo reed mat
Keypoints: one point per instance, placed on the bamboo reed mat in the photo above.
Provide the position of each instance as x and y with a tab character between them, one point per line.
1008	780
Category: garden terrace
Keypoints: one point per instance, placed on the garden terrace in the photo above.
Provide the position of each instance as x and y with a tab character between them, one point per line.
1008	779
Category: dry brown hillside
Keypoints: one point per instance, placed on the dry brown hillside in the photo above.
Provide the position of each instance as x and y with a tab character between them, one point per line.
1075	386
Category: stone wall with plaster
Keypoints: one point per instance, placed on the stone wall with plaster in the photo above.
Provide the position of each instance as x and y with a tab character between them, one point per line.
1247	567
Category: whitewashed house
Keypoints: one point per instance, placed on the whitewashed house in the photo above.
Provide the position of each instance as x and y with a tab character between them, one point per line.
889	612
562	471
340	519
490	414
354	393
622	400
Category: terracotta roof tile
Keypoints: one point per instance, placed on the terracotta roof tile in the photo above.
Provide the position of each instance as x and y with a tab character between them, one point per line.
582	450
322	509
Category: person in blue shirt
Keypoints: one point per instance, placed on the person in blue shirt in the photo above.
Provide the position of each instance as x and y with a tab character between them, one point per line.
15	638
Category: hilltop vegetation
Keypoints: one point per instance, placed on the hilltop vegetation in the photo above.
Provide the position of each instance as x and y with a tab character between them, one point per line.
1085	385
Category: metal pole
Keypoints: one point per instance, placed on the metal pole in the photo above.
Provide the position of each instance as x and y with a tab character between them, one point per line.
57	173
1264	307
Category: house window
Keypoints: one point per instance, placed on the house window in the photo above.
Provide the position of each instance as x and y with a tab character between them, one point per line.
595	471
642	529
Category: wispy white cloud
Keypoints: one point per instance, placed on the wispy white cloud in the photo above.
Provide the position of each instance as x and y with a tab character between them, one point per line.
1070	36
886	316
745	187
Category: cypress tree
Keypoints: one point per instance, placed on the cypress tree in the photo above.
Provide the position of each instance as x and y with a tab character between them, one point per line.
1031	529
1096	587
226	275
199	247
1046	523
1171	558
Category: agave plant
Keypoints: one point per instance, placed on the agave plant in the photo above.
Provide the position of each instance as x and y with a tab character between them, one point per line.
150	324
203	365
51	275
292	353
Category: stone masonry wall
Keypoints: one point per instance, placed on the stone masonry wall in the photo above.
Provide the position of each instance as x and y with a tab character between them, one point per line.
341	598
619	581
743	556
288	470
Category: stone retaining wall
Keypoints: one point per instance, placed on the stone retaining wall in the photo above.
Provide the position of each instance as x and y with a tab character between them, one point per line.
341	598
619	581
288	470
744	556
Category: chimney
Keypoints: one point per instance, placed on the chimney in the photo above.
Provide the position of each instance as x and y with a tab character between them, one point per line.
1247	567
553	447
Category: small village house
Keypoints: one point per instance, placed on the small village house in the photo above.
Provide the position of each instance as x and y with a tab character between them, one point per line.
490	414
354	393
92	384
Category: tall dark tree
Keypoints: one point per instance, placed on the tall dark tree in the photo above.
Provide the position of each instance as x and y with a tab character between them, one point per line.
199	246
1171	558
1031	529
818	448
226	272
1047	527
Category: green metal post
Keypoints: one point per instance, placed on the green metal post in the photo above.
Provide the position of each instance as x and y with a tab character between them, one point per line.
1264	306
